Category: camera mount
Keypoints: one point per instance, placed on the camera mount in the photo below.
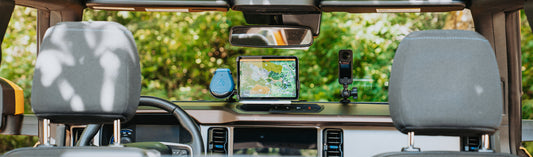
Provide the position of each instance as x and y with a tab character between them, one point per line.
346	75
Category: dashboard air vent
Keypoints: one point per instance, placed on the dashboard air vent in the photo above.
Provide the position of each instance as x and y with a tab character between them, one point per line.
471	144
218	140
333	143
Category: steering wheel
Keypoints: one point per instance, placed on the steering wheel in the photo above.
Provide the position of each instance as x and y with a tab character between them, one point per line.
182	116
185	120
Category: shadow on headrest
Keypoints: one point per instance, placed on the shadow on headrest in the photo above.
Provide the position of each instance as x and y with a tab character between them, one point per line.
445	82
86	72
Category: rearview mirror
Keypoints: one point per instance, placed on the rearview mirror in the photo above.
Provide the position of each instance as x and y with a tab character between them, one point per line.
271	36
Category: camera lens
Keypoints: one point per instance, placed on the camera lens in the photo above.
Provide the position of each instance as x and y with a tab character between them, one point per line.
345	55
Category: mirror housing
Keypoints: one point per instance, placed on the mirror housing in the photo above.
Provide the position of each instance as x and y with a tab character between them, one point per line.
271	36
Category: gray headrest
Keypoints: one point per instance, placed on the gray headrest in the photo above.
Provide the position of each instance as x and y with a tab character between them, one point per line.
445	82
86	72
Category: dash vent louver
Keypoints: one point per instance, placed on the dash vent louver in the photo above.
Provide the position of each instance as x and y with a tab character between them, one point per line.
333	143
218	140
471	144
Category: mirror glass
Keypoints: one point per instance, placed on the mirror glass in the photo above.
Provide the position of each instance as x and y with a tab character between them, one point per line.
271	36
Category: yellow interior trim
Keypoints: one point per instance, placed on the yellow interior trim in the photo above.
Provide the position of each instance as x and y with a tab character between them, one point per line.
19	97
525	150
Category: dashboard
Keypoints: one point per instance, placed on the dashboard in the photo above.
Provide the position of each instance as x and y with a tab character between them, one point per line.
157	127
328	129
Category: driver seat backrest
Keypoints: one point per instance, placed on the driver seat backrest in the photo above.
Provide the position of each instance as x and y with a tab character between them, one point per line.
445	83
85	73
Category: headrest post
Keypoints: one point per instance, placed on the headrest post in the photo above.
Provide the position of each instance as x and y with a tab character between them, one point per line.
116	132
485	143
46	132
411	136
410	143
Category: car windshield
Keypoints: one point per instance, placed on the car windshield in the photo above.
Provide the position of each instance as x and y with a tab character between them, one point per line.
180	51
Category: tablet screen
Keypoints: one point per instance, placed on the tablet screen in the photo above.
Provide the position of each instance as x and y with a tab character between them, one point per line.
268	77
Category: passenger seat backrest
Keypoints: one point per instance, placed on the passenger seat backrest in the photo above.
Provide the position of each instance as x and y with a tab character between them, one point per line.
86	72
445	82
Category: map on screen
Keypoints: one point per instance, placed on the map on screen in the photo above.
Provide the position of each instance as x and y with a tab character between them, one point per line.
268	77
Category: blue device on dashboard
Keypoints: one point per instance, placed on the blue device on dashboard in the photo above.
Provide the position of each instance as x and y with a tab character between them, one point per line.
222	84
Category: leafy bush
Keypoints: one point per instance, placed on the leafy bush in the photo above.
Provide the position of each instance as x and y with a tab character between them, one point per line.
18	56
179	51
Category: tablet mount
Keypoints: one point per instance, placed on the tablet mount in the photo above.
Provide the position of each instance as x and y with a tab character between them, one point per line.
346	75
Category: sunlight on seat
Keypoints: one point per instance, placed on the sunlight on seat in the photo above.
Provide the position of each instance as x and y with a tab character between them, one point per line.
479	89
110	62
49	74
69	95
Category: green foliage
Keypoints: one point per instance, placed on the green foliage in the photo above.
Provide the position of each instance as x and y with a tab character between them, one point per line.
373	39
179	51
9	142
527	73
527	68
19	51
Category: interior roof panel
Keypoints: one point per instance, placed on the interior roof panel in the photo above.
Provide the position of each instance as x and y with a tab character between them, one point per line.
370	6
192	3
49	4
391	2
275	5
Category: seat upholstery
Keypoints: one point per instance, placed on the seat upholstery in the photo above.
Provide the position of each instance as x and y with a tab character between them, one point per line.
86	72
82	152
445	82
